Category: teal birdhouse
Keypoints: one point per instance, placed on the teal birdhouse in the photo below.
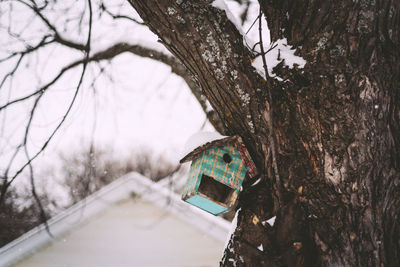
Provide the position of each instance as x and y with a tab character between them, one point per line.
216	174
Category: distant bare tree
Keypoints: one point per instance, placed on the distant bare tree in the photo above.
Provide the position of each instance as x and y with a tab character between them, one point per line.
14	219
87	171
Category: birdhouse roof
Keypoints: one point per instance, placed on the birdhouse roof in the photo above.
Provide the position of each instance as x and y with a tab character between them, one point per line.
235	141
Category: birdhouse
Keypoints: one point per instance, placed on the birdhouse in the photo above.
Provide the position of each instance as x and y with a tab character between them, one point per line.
216	174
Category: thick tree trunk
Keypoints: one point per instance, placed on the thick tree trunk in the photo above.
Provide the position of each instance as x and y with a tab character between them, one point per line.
326	139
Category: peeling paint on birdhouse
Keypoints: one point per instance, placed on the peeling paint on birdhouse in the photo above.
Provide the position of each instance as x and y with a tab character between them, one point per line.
216	174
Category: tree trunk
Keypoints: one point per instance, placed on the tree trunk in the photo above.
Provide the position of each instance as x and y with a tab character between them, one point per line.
326	139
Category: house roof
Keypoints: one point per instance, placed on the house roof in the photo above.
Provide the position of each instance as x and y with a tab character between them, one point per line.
234	140
121	189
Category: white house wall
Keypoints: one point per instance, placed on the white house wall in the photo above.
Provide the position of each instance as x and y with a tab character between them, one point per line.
132	233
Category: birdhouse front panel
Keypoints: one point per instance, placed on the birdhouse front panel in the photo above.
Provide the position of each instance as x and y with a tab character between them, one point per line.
224	164
215	178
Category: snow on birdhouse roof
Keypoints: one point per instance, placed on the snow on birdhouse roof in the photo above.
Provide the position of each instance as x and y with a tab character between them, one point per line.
219	142
198	139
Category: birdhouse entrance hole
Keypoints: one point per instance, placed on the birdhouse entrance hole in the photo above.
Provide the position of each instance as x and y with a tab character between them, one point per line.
227	158
215	190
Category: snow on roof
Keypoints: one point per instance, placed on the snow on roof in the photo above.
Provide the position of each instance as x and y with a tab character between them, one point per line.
198	139
118	190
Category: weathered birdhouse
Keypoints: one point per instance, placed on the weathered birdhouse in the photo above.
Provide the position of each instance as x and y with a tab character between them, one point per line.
216	174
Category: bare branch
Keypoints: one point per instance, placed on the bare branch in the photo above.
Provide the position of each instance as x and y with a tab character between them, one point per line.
12	72
22	54
57	36
5	184
43	215
68	43
45	87
29	49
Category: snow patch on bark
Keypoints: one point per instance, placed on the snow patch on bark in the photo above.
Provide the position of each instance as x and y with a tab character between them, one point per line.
281	52
271	221
220	4
208	106
232	230
258	180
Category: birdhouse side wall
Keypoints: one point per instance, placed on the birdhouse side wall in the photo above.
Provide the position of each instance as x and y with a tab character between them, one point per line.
193	181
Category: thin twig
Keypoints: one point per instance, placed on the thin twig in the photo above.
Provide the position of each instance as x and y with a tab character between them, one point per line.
29	49
43	215
43	88
119	16
254	22
12	72
5	184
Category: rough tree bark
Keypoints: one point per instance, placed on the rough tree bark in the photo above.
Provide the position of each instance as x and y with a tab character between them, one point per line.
332	128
